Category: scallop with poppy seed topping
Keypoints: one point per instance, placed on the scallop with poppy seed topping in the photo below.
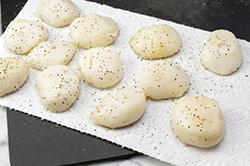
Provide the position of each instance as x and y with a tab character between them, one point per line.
94	31
120	107
58	87
222	53
101	66
13	74
156	42
163	79
198	121
51	53
23	35
57	13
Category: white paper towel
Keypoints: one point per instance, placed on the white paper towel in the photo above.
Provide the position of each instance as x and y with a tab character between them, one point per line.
152	134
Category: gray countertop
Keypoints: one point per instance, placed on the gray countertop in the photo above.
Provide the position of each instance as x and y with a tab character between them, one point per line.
4	149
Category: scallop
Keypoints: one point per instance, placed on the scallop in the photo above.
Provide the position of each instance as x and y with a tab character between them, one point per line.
120	107
94	31
23	35
198	121
101	66
58	87
57	13
13	74
156	42
222	53
163	79
51	53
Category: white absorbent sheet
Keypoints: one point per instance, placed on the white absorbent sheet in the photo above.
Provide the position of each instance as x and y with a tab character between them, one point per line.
152	135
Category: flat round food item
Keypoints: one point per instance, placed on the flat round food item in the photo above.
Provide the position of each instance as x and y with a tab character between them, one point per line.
23	35
57	13
120	107
58	87
156	41
163	79
101	67
222	53
13	73
94	31
51	53
198	121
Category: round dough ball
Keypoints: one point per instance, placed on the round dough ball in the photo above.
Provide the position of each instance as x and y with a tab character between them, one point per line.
156	41
222	53
13	73
120	107
162	79
23	35
57	13
101	67
94	31
51	53
198	121
58	87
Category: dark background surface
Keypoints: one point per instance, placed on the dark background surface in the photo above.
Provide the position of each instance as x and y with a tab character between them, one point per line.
233	15
38	142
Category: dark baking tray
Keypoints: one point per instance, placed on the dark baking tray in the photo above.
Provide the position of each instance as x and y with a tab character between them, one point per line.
38	142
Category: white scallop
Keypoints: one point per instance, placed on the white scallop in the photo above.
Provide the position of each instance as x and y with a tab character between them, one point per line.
51	53
94	31
101	66
198	121
58	87
222	53
23	35
156	41
163	79
57	13
13	73
120	107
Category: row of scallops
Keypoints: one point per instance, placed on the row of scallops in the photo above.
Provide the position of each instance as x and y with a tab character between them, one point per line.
196	120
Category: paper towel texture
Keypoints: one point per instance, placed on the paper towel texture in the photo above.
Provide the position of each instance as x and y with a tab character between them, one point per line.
152	134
